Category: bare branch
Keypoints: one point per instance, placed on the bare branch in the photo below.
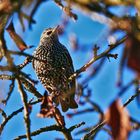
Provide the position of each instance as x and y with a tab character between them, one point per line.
26	61
13	114
28	85
11	88
76	126
3	113
94	59
100	125
41	130
52	128
94	131
26	112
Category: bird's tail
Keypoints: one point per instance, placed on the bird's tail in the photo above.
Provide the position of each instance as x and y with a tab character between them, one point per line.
68	102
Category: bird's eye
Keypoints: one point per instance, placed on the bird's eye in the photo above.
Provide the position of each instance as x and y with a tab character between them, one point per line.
49	32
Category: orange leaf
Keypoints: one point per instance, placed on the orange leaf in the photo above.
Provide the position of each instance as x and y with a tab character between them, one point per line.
118	119
17	39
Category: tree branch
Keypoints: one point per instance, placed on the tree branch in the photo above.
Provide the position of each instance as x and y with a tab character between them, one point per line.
100	125
53	128
131	99
14	113
26	112
95	58
94	130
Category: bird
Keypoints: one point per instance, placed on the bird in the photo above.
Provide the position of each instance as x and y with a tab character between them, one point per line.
53	66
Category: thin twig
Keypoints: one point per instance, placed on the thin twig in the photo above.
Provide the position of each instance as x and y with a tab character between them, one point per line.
76	126
23	54
96	108
94	131
125	88
3	113
26	61
19	53
131	99
11	88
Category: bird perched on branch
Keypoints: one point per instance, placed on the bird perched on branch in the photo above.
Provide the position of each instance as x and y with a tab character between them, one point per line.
53	66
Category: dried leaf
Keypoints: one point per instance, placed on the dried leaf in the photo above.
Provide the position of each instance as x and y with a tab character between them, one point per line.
46	107
118	119
50	111
133	48
17	39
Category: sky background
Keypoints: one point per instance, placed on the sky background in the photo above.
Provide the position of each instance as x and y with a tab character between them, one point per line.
104	89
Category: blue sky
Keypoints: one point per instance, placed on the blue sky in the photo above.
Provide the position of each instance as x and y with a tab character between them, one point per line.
103	85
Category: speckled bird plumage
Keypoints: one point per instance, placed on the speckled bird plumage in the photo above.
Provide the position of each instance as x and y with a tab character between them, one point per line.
54	67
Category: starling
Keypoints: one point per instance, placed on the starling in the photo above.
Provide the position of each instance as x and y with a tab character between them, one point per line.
53	67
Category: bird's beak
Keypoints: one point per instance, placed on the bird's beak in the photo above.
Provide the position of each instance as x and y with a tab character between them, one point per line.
55	30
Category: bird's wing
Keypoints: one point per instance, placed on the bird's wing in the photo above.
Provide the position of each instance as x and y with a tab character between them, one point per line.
69	60
68	57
